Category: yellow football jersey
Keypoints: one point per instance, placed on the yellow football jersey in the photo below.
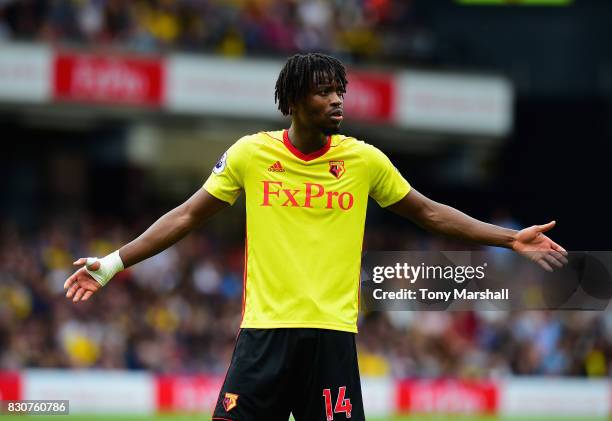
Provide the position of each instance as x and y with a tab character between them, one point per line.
305	222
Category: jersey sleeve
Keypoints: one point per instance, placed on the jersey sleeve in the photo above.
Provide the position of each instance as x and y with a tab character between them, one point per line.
227	178
387	186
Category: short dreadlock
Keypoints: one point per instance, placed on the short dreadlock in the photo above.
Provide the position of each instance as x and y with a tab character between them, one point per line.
301	72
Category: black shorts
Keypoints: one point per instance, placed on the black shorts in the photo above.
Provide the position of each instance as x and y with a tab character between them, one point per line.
312	373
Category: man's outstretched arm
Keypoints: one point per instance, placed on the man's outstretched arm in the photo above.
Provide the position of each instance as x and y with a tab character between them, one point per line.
442	219
166	231
171	227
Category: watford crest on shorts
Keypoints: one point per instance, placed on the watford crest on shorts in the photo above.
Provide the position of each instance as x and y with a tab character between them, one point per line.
336	168
230	401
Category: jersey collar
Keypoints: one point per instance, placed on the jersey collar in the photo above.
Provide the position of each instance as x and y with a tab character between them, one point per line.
305	156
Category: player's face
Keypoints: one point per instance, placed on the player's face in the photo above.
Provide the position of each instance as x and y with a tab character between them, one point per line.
322	107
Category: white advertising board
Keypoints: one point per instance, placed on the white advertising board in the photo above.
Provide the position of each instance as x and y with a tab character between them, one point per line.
454	103
93	391
25	73
555	397
221	86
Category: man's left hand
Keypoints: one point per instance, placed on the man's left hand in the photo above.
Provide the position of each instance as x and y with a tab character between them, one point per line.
533	244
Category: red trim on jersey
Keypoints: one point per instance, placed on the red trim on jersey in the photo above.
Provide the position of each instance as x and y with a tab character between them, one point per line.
305	156
359	285
358	299
244	276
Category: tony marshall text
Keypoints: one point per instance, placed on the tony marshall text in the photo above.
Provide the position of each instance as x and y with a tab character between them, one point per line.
426	294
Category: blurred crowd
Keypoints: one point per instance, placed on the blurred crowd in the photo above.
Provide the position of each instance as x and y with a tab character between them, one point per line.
180	311
352	29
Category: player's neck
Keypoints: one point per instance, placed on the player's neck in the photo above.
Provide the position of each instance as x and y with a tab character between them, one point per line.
306	140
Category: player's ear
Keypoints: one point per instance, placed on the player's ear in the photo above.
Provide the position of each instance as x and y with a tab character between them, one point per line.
294	108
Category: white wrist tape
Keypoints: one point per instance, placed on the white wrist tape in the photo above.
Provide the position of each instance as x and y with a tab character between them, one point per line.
109	266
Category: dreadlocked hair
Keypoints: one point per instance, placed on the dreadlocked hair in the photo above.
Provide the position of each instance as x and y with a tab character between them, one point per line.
301	73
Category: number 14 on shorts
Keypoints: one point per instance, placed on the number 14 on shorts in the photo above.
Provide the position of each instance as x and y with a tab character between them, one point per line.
343	404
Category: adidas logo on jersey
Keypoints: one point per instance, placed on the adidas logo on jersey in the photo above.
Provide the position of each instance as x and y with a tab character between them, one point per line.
276	167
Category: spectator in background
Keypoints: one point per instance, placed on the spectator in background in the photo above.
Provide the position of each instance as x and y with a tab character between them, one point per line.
354	29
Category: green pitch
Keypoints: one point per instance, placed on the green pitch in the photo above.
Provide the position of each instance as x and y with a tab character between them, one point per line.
207	418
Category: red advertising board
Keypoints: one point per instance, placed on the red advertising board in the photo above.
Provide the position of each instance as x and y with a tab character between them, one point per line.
108	79
370	96
447	396
10	386
188	393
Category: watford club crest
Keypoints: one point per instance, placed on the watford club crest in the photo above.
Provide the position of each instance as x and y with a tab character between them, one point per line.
230	401
337	168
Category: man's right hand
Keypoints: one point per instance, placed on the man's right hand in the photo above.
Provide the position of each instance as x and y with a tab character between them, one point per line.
80	284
